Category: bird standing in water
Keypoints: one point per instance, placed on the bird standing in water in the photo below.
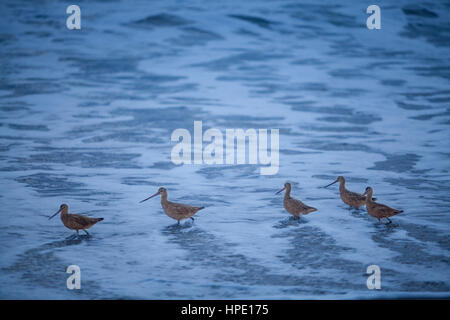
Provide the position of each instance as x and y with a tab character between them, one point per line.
75	221
177	211
351	198
378	210
294	206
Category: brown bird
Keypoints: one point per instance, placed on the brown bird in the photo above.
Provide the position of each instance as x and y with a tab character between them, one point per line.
351	198
174	210
294	206
378	210
75	221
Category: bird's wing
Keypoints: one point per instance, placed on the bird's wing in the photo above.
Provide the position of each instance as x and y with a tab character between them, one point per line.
80	220
384	210
298	204
182	209
356	196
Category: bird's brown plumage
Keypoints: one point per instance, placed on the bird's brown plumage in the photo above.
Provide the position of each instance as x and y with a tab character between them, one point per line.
292	205
378	210
75	221
177	211
351	198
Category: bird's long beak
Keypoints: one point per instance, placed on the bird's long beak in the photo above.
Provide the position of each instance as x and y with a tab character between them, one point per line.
55	214
365	193
150	197
280	190
331	184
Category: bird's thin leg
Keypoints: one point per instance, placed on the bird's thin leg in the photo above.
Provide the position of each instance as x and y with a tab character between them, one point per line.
192	218
72	236
178	222
86	232
388	220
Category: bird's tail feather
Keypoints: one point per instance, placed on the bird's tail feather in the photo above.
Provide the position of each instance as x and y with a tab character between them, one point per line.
310	209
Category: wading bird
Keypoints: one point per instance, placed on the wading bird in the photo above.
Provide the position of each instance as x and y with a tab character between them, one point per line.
294	206
75	221
351	198
378	210
177	211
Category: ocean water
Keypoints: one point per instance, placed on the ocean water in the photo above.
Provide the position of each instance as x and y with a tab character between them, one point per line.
86	118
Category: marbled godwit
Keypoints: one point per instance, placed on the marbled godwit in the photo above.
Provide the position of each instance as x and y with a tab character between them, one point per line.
294	206
351	198
75	221
174	210
378	210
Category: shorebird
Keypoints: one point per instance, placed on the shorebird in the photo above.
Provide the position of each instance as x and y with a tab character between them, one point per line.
75	221
294	206
177	211
351	198
378	210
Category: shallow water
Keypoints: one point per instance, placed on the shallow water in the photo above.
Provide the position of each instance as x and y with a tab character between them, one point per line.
86	118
